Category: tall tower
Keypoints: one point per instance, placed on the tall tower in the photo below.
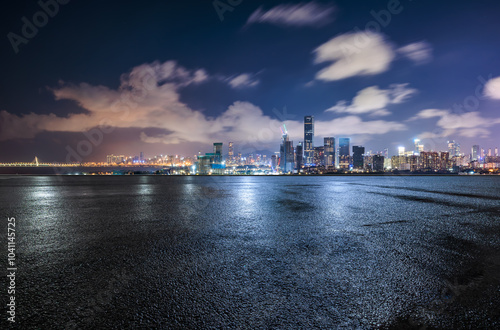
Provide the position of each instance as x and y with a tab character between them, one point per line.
309	139
299	156
287	161
357	157
418	147
329	151
231	152
476	152
344	158
453	148
218	153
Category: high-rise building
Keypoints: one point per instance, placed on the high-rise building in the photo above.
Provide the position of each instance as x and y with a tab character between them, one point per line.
287	161
496	152
274	161
378	163
357	157
299	156
453	148
309	139
418	146
112	159
231	153
218	153
319	156
444	161
430	160
204	164
141	157
329	151
344	154
475	153
401	151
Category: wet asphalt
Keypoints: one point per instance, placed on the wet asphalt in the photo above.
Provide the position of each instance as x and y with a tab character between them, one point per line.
254	252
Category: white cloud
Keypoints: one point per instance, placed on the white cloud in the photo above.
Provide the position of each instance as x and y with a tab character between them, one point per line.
363	53
244	80
354	125
429	113
373	100
354	54
492	89
399	93
302	14
469	124
148	97
418	52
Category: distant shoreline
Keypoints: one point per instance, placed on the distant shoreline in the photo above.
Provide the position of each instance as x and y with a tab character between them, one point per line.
250	175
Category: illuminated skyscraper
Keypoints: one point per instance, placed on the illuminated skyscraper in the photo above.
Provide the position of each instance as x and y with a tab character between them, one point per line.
401	151
218	153
344	158
453	148
418	146
319	156
329	151
309	139
231	152
476	152
357	157
287	161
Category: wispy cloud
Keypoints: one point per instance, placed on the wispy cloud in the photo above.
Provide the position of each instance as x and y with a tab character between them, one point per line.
373	100
362	53
418	52
354	54
149	97
244	80
469	124
302	14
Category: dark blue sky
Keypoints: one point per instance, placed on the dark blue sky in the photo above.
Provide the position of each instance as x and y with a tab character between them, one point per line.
192	79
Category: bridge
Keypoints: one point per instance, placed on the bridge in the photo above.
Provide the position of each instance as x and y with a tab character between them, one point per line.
36	163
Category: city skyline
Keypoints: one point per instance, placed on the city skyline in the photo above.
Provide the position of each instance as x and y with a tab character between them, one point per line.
360	69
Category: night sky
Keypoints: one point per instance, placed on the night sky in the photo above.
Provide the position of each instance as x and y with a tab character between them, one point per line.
172	77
